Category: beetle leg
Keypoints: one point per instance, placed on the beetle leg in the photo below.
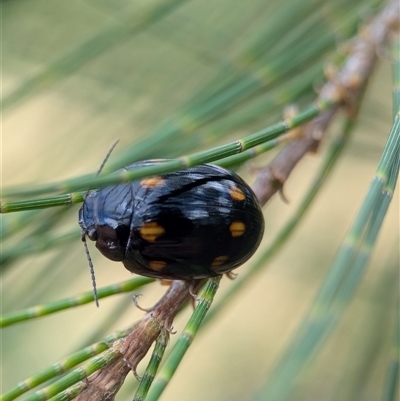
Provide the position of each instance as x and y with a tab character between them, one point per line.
231	275
135	301
193	293
133	369
169	329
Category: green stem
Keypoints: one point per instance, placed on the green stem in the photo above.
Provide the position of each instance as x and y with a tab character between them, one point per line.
185	339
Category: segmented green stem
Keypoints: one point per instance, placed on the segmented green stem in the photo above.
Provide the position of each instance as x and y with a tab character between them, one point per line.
152	367
64	365
43	203
185	339
75	376
82	299
345	273
392	374
393	370
193	159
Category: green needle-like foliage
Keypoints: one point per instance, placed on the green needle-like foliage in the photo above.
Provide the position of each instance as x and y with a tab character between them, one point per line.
186	338
344	275
46	309
281	91
64	365
152	367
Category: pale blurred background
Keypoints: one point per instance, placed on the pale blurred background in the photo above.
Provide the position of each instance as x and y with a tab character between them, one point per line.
125	92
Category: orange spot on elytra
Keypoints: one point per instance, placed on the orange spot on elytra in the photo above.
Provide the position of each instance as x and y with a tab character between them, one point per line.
219	260
237	194
151	231
157	264
237	228
152	182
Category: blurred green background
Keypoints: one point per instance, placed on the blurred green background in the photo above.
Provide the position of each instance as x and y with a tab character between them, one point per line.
79	74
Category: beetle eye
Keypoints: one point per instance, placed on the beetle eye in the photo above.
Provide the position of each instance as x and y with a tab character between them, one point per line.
92	234
123	235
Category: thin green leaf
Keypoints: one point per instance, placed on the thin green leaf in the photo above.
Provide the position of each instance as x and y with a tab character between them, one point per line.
345	273
185	339
82	299
152	367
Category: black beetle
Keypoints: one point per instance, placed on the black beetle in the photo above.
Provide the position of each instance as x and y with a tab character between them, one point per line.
190	224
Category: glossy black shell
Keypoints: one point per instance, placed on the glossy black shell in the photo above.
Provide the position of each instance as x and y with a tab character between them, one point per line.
193	223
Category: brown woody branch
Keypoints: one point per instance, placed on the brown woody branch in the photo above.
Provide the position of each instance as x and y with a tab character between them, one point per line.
105	383
343	89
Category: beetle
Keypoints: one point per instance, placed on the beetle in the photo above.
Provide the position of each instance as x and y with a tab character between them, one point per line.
190	224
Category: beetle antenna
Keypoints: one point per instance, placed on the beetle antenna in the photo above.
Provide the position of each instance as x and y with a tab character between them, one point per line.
107	157
91	269
103	163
